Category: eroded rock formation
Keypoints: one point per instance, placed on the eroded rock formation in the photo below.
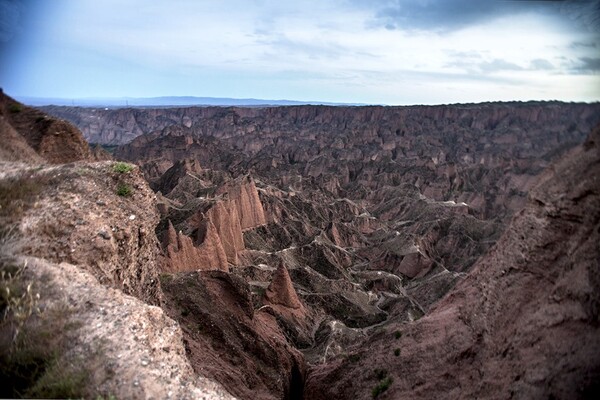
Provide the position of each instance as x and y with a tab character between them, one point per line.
296	242
209	225
523	324
24	129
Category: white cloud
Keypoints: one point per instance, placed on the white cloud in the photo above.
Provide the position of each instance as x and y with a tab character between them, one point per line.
327	48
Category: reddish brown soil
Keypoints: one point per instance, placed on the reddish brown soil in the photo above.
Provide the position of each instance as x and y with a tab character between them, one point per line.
524	324
56	141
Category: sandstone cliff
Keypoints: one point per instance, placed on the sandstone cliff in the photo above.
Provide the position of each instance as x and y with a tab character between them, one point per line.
214	222
183	255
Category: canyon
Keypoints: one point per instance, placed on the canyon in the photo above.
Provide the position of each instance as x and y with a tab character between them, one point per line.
313	251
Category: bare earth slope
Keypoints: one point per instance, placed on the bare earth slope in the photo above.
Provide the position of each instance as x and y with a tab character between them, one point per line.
54	140
79	268
524	324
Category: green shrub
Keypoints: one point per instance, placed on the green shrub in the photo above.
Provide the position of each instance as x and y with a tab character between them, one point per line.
397	352
59	382
380	373
124	190
14	108
398	334
381	387
122	168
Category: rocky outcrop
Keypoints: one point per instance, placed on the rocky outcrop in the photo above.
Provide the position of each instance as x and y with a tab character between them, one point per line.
224	210
98	219
54	140
113	345
182	255
281	291
523	324
244	196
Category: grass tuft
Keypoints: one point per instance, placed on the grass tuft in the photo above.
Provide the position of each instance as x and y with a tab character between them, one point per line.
381	387
122	168
124	190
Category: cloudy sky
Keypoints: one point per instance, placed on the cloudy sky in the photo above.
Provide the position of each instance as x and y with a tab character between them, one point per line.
356	51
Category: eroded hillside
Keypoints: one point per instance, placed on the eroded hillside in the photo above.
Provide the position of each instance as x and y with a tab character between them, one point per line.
290	244
79	276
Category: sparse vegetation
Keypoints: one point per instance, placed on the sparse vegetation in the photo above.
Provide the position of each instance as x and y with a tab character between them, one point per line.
18	193
397	334
18	301
165	278
354	358
380	373
59	382
382	386
33	343
14	108
397	352
124	190
122	167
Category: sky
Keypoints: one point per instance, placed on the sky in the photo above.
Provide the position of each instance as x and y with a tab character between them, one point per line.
395	52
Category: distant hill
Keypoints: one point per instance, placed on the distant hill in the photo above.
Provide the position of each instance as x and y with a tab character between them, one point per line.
166	101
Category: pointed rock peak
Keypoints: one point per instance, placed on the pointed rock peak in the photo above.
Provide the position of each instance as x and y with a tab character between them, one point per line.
281	291
170	237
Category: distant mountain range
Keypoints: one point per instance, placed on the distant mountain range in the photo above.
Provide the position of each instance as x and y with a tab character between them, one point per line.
168	101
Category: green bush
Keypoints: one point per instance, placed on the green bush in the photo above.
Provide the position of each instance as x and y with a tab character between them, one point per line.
380	373
397	352
122	167
398	334
381	387
124	190
14	108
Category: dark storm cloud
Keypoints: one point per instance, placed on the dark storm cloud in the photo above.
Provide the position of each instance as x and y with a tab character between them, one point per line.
447	15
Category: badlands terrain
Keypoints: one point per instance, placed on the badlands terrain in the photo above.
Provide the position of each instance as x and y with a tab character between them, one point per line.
301	252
